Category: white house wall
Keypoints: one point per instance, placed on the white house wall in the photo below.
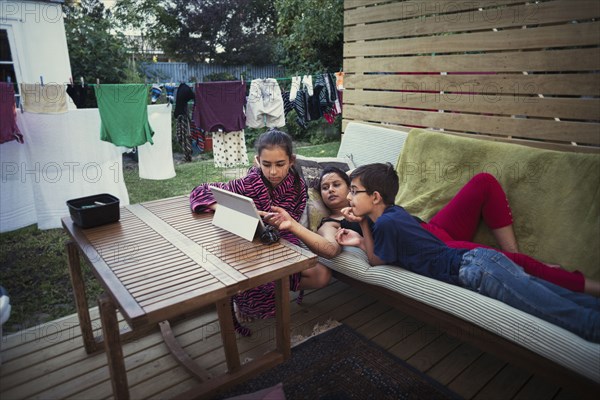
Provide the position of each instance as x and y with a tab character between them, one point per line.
38	42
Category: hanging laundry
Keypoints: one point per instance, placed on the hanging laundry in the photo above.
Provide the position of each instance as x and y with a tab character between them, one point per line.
189	136
44	99
229	149
298	104
301	106
124	114
307	84
186	132
81	96
156	161
325	103
185	94
265	105
198	138
182	133
339	80
333	94
288	105
170	89
155	92
220	105
9	130
330	86
295	86
313	104
329	117
78	162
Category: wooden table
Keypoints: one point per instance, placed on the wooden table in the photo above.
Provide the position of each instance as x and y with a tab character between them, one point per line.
161	262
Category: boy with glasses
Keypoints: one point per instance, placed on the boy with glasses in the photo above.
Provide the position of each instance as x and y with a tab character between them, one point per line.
396	238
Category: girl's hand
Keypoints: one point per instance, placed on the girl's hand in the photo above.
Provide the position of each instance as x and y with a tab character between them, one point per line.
347	237
349	215
277	217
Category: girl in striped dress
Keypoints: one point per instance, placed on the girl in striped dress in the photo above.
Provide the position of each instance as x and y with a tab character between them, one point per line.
275	182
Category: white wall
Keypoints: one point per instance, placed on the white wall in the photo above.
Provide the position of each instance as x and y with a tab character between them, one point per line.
37	36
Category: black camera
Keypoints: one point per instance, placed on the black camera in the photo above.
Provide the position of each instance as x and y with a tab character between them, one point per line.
269	235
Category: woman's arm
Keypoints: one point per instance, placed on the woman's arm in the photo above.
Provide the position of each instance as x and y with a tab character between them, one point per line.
322	243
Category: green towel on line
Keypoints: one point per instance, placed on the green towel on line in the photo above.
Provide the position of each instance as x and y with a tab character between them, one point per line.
124	114
554	196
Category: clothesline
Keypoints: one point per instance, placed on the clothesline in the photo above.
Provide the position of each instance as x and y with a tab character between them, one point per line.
247	81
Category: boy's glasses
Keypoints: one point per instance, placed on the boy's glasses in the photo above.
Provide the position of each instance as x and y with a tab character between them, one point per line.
354	192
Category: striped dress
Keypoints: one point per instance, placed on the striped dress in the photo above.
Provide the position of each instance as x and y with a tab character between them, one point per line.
291	195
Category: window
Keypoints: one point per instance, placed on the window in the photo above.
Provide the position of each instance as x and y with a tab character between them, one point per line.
7	65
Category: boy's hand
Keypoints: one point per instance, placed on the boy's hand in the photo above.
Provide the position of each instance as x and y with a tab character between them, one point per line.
349	215
277	217
347	237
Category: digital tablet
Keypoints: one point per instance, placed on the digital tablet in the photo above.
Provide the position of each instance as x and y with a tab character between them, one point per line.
237	214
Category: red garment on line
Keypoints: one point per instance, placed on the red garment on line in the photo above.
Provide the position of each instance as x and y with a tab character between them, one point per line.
8	114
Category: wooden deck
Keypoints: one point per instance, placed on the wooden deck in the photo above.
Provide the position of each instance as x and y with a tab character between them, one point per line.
49	361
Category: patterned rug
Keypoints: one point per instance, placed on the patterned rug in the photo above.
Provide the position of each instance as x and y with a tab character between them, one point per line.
341	364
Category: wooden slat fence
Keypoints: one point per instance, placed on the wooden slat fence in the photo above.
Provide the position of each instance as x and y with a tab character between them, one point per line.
508	70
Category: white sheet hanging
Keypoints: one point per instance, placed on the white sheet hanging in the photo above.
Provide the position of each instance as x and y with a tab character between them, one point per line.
17	208
156	161
64	159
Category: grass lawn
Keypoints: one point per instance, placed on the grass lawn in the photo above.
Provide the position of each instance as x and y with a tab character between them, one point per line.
33	263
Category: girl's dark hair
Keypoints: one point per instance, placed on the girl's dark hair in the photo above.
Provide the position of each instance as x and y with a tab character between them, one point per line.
332	170
276	138
380	178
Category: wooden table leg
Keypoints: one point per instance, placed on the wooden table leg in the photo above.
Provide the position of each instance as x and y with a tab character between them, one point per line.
282	312
179	353
232	354
112	345
85	322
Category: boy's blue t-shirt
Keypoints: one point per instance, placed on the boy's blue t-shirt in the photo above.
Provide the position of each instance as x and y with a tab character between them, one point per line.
400	240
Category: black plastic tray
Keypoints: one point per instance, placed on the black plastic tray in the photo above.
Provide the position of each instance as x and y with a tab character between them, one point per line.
95	210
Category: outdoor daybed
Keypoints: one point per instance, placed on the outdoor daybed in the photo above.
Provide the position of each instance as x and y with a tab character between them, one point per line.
555	200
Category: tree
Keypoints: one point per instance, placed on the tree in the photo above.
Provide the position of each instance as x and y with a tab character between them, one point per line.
150	19
311	35
223	31
95	51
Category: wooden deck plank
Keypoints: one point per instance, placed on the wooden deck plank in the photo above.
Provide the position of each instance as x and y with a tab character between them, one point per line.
140	354
537	388
374	309
431	354
505	385
454	363
415	341
476	376
39	341
51	362
566	395
381	328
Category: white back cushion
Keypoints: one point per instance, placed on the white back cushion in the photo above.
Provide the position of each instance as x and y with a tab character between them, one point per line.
366	144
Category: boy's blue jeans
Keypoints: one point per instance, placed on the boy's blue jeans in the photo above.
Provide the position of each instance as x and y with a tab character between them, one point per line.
492	274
